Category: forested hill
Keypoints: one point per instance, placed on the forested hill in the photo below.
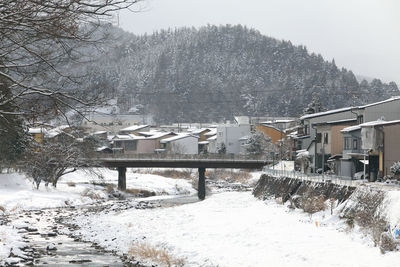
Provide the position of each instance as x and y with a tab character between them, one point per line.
214	73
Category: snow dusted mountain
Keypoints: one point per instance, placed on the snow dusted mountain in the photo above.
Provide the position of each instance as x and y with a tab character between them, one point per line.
216	72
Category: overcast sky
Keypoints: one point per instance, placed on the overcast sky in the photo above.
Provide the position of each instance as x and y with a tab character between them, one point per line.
361	35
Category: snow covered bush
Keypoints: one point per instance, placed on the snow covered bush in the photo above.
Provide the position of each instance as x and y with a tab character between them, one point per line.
395	168
256	144
221	149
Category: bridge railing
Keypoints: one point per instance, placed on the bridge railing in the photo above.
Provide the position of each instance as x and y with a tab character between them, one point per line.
180	156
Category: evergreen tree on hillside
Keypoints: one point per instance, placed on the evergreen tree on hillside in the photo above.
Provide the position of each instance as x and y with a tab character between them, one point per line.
216	72
315	106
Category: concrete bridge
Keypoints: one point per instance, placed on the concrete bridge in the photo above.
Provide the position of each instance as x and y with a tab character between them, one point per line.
201	162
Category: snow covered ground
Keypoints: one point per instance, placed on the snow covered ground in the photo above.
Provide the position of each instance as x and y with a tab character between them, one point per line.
17	192
235	229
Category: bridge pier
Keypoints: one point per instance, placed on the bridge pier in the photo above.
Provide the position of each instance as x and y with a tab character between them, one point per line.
201	189
122	178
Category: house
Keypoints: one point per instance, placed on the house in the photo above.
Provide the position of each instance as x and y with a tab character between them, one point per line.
353	156
387	110
328	144
100	135
391	145
152	142
271	131
203	134
37	134
112	123
134	144
307	138
60	133
126	144
134	129
230	135
182	143
374	136
212	144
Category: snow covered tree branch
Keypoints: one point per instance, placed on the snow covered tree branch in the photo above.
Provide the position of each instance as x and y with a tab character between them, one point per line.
40	39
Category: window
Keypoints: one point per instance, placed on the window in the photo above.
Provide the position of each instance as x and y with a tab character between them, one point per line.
306	130
118	144
130	145
326	136
347	142
360	119
355	144
318	138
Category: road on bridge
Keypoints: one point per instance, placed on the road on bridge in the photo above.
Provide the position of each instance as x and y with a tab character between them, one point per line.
201	162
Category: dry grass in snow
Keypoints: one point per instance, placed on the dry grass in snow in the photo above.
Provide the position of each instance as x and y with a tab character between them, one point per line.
160	256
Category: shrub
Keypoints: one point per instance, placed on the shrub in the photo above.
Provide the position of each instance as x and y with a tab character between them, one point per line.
176	174
387	242
395	168
313	204
71	184
157	255
140	192
228	175
91	194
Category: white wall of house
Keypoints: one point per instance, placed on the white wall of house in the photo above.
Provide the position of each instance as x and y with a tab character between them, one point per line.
185	145
212	145
230	135
389	110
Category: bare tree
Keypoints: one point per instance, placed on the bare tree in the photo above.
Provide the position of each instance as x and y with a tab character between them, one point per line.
39	40
55	157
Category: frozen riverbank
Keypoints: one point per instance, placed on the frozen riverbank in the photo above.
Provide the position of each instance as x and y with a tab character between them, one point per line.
235	229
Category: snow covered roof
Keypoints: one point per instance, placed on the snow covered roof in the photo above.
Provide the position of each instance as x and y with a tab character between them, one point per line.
56	131
341	121
212	138
198	131
102	148
368	124
351	129
244	138
308	116
378	123
302	154
127	137
133	128
393	98
204	143
277	121
177	137
99	132
160	135
36	130
272	127
213	131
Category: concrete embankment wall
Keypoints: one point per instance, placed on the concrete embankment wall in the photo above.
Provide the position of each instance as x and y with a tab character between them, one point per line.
285	188
374	209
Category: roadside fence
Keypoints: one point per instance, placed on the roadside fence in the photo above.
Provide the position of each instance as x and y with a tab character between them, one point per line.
323	178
